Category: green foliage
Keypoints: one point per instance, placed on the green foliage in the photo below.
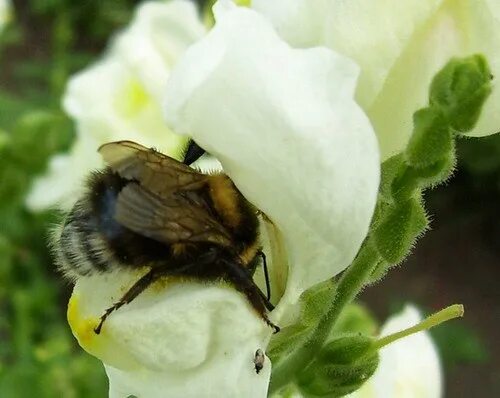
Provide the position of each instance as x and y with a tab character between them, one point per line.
37	351
46	42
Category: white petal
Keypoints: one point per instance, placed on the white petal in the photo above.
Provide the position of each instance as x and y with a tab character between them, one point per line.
110	102
62	185
299	22
458	28
5	13
286	129
180	340
157	37
409	368
120	96
399	45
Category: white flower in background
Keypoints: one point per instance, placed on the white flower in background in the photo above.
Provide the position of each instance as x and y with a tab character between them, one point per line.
5	13
120	97
399	45
284	124
409	368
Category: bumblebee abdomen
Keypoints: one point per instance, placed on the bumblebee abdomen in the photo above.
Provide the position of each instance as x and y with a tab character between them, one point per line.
91	240
81	248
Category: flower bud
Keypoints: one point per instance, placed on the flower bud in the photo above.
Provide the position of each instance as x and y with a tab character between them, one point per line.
342	367
460	89
431	140
398	229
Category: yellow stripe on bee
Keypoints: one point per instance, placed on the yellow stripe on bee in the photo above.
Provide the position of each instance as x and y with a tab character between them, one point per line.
249	253
225	199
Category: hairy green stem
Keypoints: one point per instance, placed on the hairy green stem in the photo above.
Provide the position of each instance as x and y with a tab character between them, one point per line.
350	284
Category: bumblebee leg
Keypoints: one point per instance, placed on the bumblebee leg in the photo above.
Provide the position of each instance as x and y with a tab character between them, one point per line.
266	274
151	276
243	282
137	288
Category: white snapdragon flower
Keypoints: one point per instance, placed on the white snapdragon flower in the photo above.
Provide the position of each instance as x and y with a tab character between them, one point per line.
284	124
120	97
409	368
399	45
5	13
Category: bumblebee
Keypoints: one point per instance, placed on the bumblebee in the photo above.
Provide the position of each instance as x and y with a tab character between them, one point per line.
148	209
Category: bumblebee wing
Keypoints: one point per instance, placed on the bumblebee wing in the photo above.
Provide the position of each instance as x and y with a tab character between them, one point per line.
180	217
164	200
156	172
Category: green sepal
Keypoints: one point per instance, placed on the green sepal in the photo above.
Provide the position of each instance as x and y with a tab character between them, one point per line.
401	224
313	303
460	89
405	185
411	179
379	272
355	318
436	173
431	140
342	366
390	169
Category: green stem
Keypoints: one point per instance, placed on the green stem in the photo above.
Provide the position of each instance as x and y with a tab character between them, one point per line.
350	284
451	312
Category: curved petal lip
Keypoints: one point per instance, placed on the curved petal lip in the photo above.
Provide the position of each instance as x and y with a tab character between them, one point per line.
175	337
285	126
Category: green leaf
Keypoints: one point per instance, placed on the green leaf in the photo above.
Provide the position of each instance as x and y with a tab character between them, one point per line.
398	230
460	89
431	140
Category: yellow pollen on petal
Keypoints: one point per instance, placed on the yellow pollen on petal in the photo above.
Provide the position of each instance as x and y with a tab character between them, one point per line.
82	328
131	98
101	345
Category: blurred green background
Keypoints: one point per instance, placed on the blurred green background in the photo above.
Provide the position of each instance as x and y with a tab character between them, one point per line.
46	42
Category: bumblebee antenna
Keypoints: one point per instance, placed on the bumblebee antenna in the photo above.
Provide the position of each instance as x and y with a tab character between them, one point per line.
266	274
193	153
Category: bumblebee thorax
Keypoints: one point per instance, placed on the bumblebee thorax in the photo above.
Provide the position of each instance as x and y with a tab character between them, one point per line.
235	212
